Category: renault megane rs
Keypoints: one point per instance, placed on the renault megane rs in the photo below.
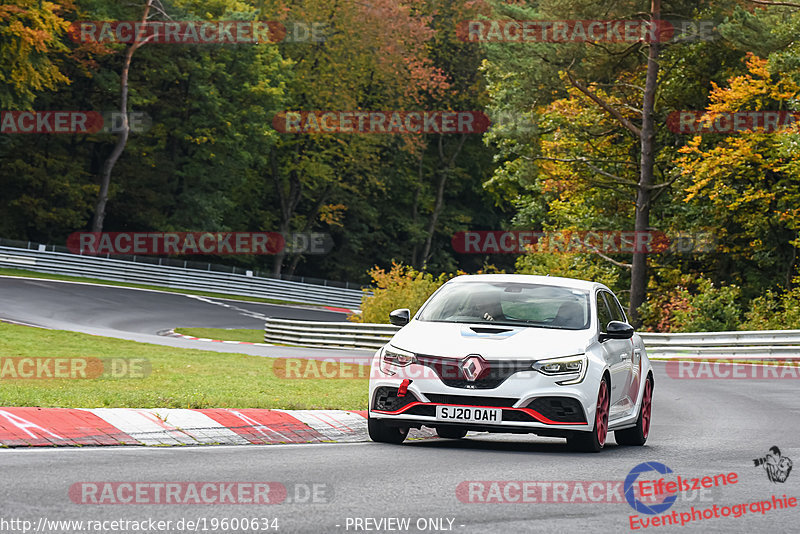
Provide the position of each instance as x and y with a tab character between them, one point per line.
514	353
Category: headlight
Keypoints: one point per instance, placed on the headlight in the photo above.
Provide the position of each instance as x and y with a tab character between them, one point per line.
567	366
392	356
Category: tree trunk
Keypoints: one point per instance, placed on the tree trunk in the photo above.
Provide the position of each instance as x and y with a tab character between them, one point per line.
646	176
307	227
437	209
288	202
447	164
122	137
415	212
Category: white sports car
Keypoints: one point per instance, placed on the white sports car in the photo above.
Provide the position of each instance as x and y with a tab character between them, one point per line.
514	353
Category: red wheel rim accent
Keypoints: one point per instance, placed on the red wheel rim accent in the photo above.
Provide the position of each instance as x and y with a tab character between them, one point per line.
647	402
601	414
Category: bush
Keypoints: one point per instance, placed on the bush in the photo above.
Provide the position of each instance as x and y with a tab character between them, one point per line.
774	312
706	309
580	266
401	287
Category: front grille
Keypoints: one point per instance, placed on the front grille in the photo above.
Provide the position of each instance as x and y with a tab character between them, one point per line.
386	399
422	409
518	416
496	372
561	409
471	401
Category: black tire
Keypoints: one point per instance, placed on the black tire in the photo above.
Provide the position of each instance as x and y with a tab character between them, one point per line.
383	433
595	440
637	435
451	432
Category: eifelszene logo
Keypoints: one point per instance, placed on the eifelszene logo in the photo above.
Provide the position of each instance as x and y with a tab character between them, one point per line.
630	486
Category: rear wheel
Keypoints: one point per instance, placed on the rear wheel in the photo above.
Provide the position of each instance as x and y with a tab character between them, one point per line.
451	432
638	434
383	433
595	440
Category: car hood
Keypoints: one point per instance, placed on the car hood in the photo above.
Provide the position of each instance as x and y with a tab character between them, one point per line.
457	340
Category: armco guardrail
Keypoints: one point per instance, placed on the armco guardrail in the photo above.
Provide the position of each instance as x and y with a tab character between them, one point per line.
777	344
177	277
322	334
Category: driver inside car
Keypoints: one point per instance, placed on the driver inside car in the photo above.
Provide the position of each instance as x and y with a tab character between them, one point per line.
487	307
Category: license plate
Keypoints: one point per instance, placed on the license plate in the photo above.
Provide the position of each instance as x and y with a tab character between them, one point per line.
469	415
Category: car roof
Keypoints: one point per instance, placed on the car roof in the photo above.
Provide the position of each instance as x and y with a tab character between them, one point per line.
555	281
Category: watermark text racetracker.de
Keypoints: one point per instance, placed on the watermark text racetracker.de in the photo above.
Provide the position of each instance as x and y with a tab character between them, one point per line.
580	242
381	122
197	32
199	492
145	525
702	369
77	368
561	491
582	31
703	122
358	367
72	122
198	243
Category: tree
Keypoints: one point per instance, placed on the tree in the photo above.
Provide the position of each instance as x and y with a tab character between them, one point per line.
373	57
30	46
749	181
124	129
596	107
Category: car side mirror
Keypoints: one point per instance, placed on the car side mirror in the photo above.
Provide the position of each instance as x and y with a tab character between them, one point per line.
400	317
616	330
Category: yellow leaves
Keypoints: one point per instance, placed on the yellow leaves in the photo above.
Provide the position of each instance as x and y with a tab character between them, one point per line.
30	41
738	170
755	90
7	10
332	214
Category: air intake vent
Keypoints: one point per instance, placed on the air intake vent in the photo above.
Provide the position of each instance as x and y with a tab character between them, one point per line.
489	330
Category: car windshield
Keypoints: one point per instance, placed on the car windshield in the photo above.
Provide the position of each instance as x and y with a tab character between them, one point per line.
509	303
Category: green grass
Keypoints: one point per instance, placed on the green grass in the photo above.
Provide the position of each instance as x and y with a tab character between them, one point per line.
225	334
46	276
179	378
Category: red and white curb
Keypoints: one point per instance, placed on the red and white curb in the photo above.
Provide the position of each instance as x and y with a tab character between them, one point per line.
23	427
173	333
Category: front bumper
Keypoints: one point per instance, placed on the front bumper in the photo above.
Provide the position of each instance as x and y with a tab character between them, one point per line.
530	403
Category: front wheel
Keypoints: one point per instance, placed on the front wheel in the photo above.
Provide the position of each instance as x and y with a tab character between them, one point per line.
595	440
383	433
637	435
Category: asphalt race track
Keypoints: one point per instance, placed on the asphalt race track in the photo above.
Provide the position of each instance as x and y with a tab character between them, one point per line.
139	315
700	428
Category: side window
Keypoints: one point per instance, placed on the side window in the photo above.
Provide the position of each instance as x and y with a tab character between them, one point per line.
603	314
614	306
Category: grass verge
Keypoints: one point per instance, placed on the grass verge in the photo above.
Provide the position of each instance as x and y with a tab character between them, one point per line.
179	378
225	334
